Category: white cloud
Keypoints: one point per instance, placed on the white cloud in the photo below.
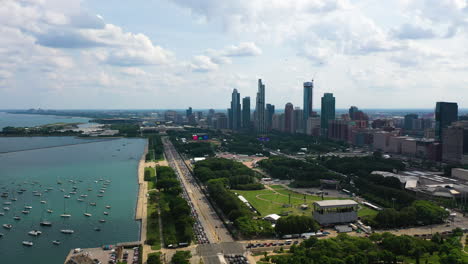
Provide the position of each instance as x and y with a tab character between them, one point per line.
244	49
409	31
203	63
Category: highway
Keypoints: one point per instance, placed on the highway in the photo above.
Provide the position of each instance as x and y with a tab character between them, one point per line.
208	227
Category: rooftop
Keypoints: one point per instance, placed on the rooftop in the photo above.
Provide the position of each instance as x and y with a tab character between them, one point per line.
331	203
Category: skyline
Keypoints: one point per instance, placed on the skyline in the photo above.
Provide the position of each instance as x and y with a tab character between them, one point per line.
89	55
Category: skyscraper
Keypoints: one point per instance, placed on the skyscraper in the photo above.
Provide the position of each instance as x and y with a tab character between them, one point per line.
235	115
188	112
352	112
308	98
260	108
270	111
298	122
327	112
246	112
289	118
445	115
408	125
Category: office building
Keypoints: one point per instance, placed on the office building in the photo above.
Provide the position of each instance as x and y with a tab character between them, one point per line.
298	121
445	115
260	124
455	143
409	122
313	126
270	111
235	113
327	112
188	112
289	118
308	100
246	112
352	112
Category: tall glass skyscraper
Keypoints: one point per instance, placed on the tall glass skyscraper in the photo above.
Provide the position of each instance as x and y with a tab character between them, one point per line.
246	112
289	126
445	114
327	112
270	111
235	116
260	124
308	98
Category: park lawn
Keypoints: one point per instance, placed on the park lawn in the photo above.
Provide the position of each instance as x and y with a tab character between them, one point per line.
152	230
366	211
153	177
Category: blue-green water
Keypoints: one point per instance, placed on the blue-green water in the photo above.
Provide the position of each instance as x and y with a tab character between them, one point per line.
36	170
25	120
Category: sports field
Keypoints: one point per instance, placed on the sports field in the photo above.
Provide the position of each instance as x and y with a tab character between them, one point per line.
275	200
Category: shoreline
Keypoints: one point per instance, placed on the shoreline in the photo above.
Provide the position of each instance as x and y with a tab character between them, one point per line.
141	210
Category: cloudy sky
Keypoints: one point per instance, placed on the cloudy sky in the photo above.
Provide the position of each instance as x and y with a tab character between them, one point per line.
175	53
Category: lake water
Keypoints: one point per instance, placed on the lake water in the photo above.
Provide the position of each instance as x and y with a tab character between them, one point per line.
79	166
25	120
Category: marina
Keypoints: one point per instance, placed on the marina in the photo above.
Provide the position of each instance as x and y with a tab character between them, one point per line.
32	223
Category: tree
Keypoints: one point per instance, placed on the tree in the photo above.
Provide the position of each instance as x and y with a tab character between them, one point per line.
181	257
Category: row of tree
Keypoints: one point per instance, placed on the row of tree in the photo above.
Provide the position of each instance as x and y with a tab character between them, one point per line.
378	248
177	221
155	148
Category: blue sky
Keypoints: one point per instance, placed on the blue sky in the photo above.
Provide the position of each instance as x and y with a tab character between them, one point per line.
179	53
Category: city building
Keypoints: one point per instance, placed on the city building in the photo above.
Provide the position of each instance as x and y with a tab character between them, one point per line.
298	121
327	112
220	121
308	101
260	124
329	212
246	112
409	119
455	143
445	114
338	130
188	112
352	112
270	111
313	126
235	113
278	122
289	126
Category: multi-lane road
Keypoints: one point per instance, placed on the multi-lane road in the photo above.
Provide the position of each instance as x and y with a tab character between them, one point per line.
208	227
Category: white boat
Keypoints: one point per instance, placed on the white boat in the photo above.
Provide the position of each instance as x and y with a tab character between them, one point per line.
38	194
50	211
102	220
88	214
2	213
56	242
27	207
84	195
14	199
43	202
7	226
1	234
106	213
45	223
17	218
7	203
108	206
65	215
25	212
72	192
92	204
28	243
67	231
6	208
100	195
34	233
66	196
80	200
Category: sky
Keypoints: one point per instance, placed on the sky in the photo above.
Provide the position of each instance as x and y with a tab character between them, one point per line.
158	54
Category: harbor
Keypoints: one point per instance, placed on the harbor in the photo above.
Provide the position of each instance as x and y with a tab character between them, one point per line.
68	197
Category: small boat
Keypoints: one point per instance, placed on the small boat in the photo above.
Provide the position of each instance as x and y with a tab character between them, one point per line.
2	213
80	200
46	223
100	195
27	207
6	208
102	220
97	229
14	199
66	196
67	231
65	215
89	189
88	214
56	242
38	194
17	218
28	243
25	212
59	182
7	226
106	213
108	206
101	191
49	211
43	202
34	233
92	204
1	235
84	195
6	203
72	192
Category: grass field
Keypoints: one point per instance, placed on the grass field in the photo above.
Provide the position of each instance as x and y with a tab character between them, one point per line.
273	201
153	175
152	231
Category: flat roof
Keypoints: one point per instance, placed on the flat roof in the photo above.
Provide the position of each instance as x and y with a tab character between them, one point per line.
331	203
